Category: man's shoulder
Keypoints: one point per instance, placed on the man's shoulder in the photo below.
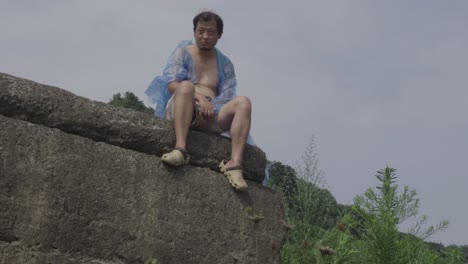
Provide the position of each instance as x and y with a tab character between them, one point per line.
181	50
185	43
223	59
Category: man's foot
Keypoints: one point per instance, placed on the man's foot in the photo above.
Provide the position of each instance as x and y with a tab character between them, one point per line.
234	176
177	157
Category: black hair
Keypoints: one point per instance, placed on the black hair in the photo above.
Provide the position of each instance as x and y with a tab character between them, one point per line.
209	16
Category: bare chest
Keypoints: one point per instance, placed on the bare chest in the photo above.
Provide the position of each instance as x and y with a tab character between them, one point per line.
206	70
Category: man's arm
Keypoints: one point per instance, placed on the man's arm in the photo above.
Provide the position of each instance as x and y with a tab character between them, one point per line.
227	89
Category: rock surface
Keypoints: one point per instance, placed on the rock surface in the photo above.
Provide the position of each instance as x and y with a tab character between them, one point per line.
53	107
79	183
68	199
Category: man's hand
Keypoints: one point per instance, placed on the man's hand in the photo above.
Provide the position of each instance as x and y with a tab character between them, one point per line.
199	122
206	108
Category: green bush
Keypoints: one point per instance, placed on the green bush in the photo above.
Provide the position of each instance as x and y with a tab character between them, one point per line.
130	100
366	232
379	212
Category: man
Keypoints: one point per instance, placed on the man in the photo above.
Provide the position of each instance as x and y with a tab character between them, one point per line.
198	90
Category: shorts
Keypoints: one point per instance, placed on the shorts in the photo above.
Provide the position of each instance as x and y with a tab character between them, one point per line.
211	126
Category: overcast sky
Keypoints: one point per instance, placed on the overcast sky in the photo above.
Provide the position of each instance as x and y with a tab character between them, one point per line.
377	83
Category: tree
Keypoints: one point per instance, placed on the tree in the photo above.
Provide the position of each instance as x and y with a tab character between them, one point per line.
283	179
454	254
381	210
130	100
316	205
464	250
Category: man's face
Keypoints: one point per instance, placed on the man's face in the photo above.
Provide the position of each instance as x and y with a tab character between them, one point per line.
206	35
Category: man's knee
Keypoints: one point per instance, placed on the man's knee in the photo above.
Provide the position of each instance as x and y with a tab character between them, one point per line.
244	103
186	88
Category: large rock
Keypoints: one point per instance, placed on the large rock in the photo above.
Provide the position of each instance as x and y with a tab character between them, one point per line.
57	108
65	198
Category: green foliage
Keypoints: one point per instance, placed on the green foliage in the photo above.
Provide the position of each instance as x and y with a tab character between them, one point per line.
305	199
130	100
464	250
380	211
438	247
283	178
454	254
312	210
314	204
319	246
366	232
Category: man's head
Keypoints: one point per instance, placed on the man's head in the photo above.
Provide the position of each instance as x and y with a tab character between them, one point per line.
207	30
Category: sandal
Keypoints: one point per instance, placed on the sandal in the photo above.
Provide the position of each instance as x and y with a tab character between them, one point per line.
234	176
177	157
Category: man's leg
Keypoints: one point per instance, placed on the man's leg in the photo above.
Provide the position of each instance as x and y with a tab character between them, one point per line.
182	118
183	112
236	116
